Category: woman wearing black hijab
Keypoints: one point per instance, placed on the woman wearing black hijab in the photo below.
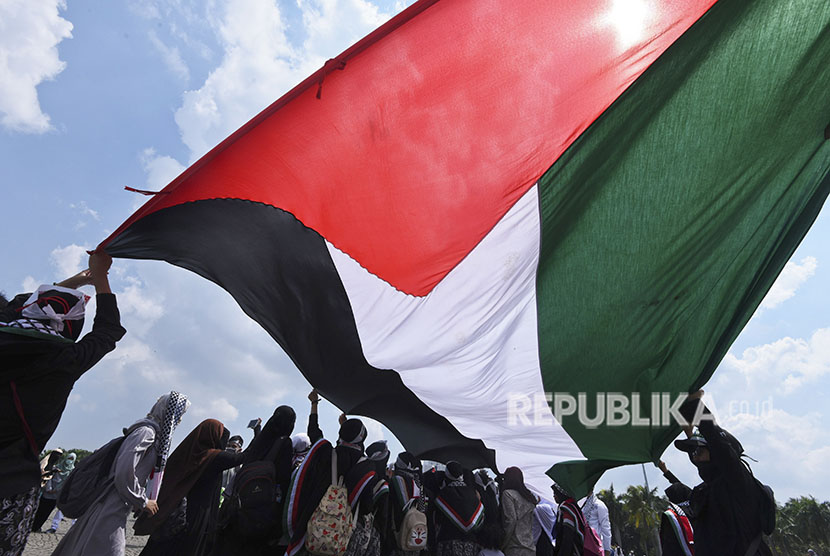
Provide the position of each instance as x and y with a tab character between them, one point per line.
272	446
378	454
405	487
311	479
459	514
490	534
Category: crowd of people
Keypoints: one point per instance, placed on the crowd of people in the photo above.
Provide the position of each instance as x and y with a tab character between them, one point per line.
290	493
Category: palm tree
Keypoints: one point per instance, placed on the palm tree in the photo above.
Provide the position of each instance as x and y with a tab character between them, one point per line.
802	523
616	514
644	507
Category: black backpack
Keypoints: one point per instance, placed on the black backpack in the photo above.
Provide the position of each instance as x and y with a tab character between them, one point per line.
768	507
86	482
257	498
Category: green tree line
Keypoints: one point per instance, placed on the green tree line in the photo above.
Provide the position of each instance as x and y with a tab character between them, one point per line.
801	523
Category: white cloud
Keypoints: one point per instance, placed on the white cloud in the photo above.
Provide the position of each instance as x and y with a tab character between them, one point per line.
30	283
30	32
815	462
141	308
786	364
146	9
785	433
790	279
217	408
160	170
791	449
256	68
85	212
171	56
374	430
135	361
335	25
69	260
259	63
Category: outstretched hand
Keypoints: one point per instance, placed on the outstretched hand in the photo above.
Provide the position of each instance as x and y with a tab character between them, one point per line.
313	396
83	278
255	423
696	395
343	418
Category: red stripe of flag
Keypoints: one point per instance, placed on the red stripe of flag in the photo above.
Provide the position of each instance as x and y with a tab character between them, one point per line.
437	124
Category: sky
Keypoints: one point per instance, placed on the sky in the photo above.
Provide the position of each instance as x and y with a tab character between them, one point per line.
95	96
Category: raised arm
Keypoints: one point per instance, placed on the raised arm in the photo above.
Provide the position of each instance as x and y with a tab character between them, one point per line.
106	328
314	432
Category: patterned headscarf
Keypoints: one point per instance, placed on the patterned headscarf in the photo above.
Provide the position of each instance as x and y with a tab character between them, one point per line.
167	413
300	444
408	465
562	491
378	454
454	474
53	310
352	434
67	464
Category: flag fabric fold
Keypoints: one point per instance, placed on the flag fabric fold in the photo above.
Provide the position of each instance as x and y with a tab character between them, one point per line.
494	202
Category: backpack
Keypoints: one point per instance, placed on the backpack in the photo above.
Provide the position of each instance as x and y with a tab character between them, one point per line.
330	526
413	532
86	482
365	540
768	507
591	545
255	499
174	524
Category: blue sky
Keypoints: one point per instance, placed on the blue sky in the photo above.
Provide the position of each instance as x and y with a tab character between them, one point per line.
96	96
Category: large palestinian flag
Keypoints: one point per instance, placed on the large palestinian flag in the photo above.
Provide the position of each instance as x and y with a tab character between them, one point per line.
486	200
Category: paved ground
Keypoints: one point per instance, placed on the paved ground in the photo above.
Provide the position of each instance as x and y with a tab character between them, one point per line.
42	544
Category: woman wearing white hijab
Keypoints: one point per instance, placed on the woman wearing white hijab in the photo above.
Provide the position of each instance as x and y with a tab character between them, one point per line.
101	530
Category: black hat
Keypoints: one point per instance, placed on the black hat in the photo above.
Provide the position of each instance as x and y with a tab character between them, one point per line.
695	441
353	433
378	451
690	444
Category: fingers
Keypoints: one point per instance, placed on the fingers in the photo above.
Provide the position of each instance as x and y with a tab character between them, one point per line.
99	262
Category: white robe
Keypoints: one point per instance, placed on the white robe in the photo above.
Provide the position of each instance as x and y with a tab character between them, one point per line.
101	530
596	514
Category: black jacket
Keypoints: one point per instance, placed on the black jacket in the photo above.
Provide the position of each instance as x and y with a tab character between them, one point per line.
44	371
725	508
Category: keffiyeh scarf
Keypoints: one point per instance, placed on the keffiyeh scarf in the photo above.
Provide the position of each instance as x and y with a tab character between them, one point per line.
168	413
52	310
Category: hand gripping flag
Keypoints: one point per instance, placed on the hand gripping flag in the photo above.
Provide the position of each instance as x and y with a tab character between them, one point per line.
482	202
